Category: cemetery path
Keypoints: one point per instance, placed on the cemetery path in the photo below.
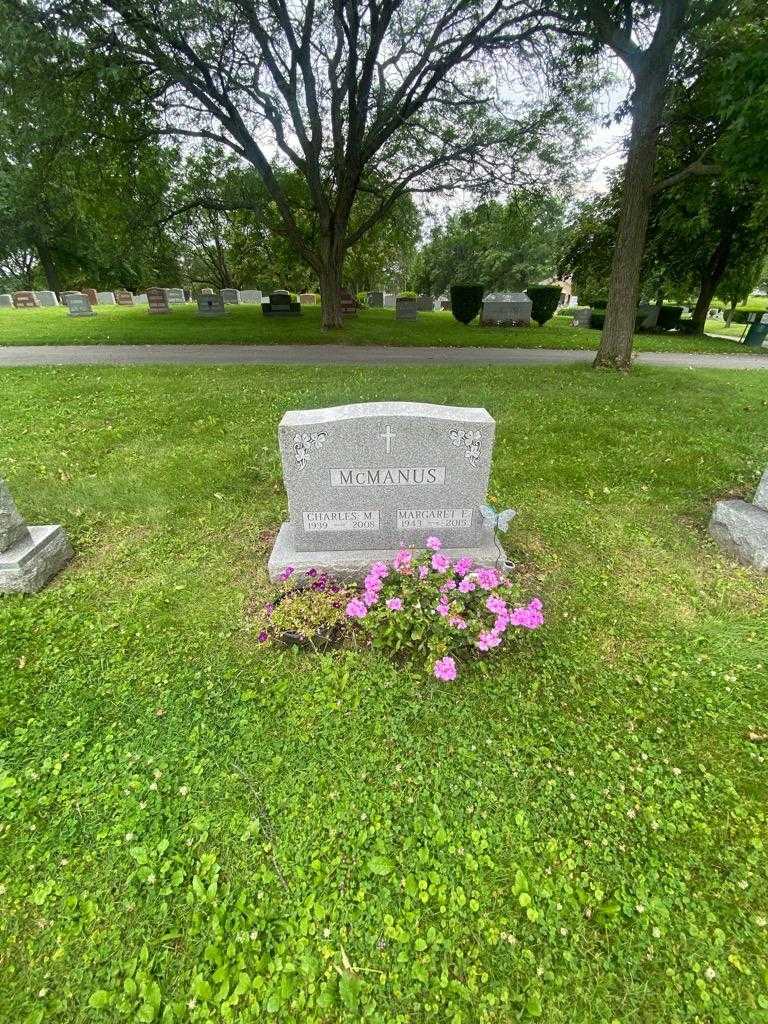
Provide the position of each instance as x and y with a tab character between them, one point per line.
351	355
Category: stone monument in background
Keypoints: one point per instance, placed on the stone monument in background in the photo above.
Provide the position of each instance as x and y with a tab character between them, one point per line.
741	528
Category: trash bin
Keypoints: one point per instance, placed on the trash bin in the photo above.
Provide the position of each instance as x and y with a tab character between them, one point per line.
757	330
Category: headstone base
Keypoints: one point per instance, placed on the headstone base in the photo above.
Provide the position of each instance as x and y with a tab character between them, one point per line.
741	530
26	567
354	565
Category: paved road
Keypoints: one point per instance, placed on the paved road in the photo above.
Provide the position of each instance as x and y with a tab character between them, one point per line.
346	355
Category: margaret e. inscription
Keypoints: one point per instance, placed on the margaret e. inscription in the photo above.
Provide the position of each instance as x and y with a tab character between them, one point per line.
364	480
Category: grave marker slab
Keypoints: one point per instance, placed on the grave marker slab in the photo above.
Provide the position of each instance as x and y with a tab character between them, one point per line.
78	305
308	299
6	301
210	305
389	301
406	309
250	295
157	299
230	296
365	480
280	304
124	298
106	298
141	299
506	309
425	304
176	296
25	300
47	298
92	295
30	556
348	303
375	300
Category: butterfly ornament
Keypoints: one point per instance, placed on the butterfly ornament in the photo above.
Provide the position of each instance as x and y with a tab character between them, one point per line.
498	520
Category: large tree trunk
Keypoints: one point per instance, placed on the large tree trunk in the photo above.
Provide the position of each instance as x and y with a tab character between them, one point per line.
716	267
624	288
331	267
49	267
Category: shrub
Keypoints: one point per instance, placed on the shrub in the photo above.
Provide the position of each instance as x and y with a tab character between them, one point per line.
669	318
544	299
406	295
594	303
466	300
310	617
425	607
362	298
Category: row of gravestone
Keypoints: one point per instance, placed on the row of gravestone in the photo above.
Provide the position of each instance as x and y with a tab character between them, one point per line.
423	303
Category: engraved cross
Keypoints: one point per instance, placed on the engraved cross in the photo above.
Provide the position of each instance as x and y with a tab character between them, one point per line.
388	435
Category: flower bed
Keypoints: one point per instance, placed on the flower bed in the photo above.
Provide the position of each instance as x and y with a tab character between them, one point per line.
424	605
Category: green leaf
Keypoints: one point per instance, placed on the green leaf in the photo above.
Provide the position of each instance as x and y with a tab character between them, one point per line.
202	989
381	865
99	999
349	990
533	1007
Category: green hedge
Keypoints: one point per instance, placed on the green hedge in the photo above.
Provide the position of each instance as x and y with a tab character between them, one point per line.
407	295
466	300
544	299
669	318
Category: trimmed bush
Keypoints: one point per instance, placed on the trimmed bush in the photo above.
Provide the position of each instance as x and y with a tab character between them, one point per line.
594	303
362	298
669	318
466	300
406	295
544	299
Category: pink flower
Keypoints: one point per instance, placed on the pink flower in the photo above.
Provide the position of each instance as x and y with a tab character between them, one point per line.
445	668
263	636
434	543
457	622
356	609
536	604
287	571
488	578
394	604
467	586
448	585
423	572
443	608
463	565
372	583
440	562
487	640
379	569
501	623
370	597
496	605
402	559
530	617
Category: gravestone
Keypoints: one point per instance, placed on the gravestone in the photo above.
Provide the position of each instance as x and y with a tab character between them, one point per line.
92	295
106	298
365	480
280	305
406	309
230	296
6	301
375	300
141	299
25	300
650	315
250	295
506	309
47	298
78	305
425	304
66	295
444	303
30	556
308	299
176	296
582	317
157	299
348	303
124	298
741	529
210	305
389	301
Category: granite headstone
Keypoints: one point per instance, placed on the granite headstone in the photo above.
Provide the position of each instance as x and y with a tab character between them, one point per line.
92	295
741	528
365	480
25	300
30	556
210	305
250	295
406	309
157	300
6	301
106	298
176	296
47	298
230	296
123	297
375	300
506	309
78	305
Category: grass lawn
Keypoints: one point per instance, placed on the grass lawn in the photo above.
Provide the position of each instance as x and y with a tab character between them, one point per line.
247	325
196	828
